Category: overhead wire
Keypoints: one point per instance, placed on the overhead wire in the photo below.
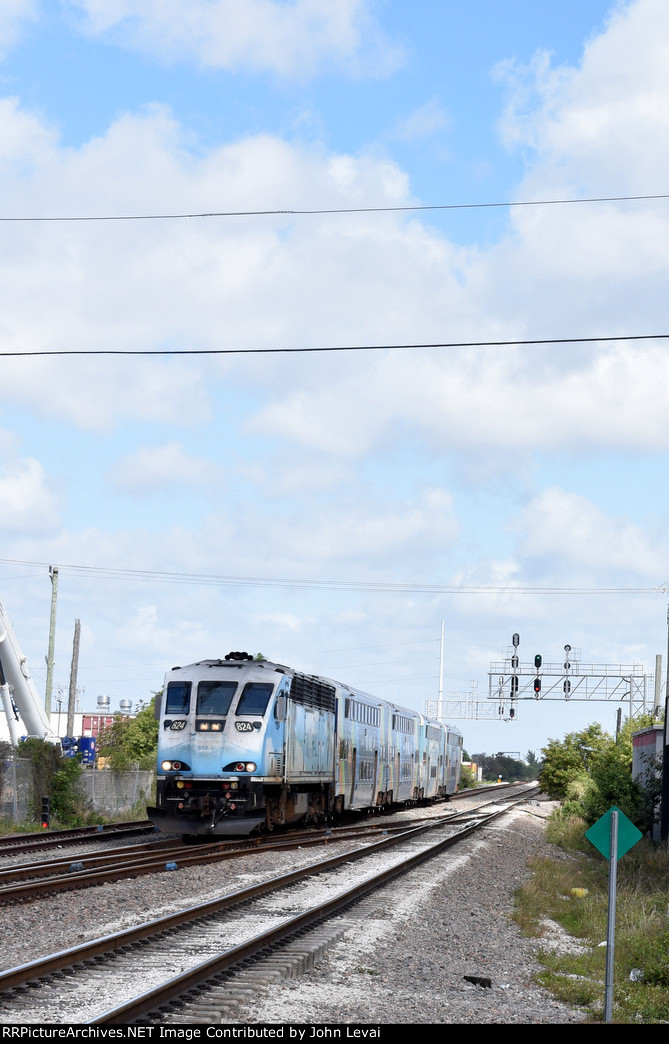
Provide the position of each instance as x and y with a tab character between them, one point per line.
298	583
408	207
519	343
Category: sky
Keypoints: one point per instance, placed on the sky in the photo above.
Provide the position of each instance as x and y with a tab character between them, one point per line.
187	186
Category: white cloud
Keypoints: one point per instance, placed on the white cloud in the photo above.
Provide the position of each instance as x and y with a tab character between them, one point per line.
358	280
152	468
571	529
421	123
142	629
358	532
296	38
13	15
27	503
604	122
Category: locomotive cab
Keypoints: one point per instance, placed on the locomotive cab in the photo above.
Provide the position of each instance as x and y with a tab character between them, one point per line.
221	740
243	744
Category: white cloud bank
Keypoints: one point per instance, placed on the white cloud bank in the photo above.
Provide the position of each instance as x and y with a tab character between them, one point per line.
572	529
14	14
570	271
151	468
27	503
296	38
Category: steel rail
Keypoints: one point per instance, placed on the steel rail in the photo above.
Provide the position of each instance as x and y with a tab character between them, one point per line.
76	955
135	868
168	991
81	835
100	868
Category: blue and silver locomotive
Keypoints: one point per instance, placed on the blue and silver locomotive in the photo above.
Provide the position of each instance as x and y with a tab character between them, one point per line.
246	745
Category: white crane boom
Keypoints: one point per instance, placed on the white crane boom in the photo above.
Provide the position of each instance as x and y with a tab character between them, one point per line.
17	688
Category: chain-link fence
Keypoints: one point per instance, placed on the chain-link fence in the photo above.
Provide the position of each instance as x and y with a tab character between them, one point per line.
116	793
111	793
14	788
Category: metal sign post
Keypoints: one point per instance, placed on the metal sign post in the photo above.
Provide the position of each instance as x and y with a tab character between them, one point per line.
612	835
611	919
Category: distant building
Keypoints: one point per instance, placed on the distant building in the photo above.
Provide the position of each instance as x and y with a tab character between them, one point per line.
647	751
86	723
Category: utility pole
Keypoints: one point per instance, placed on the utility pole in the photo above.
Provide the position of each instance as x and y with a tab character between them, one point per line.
73	679
441	674
53	573
664	812
657	706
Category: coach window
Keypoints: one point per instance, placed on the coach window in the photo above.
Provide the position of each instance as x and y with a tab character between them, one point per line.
215	697
178	698
254	698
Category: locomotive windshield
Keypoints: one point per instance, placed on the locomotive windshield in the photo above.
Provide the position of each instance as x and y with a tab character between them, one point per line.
254	698
178	698
215	697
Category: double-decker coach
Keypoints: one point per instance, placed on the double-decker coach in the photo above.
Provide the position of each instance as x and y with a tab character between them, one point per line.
250	744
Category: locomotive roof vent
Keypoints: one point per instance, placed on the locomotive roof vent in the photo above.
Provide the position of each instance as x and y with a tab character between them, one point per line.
238	656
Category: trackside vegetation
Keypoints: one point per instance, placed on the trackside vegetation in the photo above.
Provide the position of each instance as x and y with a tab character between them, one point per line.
588	772
131	741
55	776
127	743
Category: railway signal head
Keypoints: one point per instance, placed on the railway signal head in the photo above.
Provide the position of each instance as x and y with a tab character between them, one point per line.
537	661
46	812
537	685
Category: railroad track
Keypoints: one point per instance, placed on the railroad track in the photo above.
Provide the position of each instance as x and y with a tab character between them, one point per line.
11	844
205	943
26	881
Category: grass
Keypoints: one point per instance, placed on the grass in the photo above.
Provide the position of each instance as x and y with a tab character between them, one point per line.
642	924
9	826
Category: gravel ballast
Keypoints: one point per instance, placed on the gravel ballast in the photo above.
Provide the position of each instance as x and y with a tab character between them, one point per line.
450	919
402	955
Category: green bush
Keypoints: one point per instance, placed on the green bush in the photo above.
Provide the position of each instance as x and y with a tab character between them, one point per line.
55	776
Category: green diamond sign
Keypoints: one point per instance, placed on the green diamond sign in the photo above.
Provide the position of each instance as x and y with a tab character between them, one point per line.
599	834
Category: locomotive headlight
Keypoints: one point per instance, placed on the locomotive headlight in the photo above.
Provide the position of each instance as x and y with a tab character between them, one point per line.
250	766
166	766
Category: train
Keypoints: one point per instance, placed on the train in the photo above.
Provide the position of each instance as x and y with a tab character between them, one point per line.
247	745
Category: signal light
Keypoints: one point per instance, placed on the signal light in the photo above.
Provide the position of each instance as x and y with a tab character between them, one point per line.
537	684
537	661
46	812
514	685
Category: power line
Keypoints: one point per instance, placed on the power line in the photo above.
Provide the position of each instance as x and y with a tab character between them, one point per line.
341	210
296	583
333	348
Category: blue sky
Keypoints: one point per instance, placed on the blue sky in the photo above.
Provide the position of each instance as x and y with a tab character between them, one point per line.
518	467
